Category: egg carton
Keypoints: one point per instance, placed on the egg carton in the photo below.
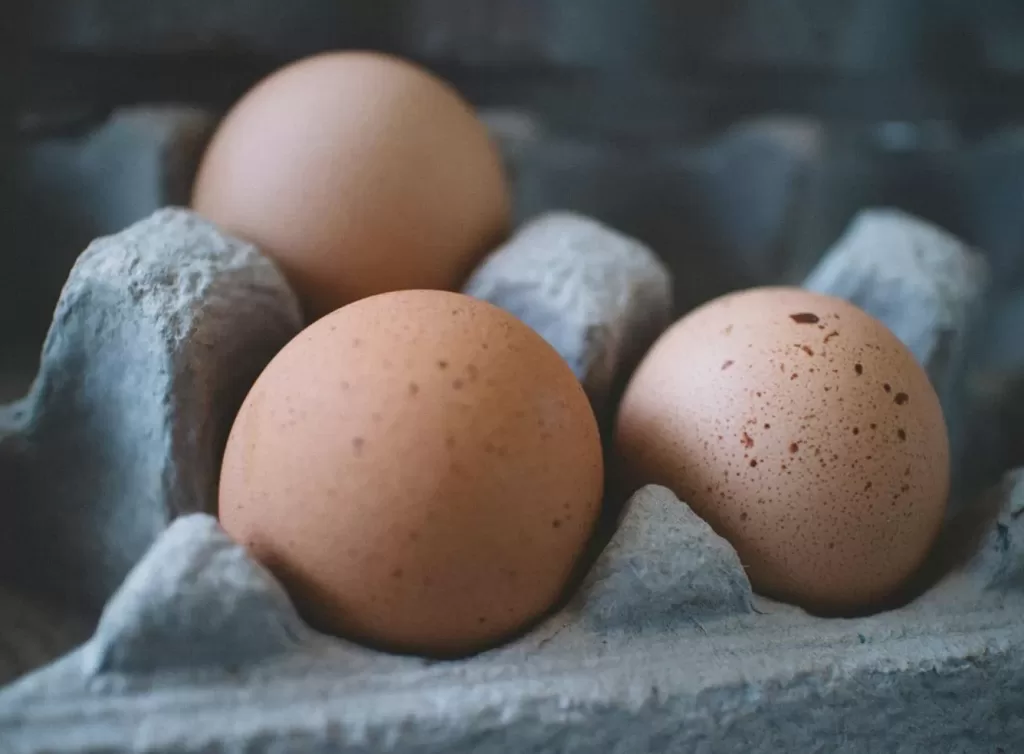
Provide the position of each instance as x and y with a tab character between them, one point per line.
132	623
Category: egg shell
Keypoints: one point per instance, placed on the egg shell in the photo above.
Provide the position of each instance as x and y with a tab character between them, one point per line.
359	173
420	469
805	433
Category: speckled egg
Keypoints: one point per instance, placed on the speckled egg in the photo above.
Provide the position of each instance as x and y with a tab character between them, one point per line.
805	433
420	469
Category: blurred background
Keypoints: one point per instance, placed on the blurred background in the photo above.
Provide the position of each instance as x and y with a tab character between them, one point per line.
736	137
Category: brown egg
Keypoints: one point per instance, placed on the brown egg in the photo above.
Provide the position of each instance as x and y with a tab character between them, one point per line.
359	173
420	469
805	433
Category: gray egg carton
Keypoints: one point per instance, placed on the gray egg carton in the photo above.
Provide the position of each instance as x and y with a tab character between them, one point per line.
130	623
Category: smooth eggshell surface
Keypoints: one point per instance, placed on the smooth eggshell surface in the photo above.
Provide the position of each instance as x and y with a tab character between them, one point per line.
420	469
359	173
805	433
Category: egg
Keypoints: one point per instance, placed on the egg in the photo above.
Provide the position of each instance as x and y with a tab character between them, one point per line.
359	173
420	470
805	433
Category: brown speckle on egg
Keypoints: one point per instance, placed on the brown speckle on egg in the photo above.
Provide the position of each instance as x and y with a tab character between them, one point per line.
825	536
804	318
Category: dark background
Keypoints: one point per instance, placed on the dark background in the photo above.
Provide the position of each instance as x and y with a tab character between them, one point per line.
575	59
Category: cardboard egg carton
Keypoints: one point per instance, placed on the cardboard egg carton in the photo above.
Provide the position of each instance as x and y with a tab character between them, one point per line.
131	623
